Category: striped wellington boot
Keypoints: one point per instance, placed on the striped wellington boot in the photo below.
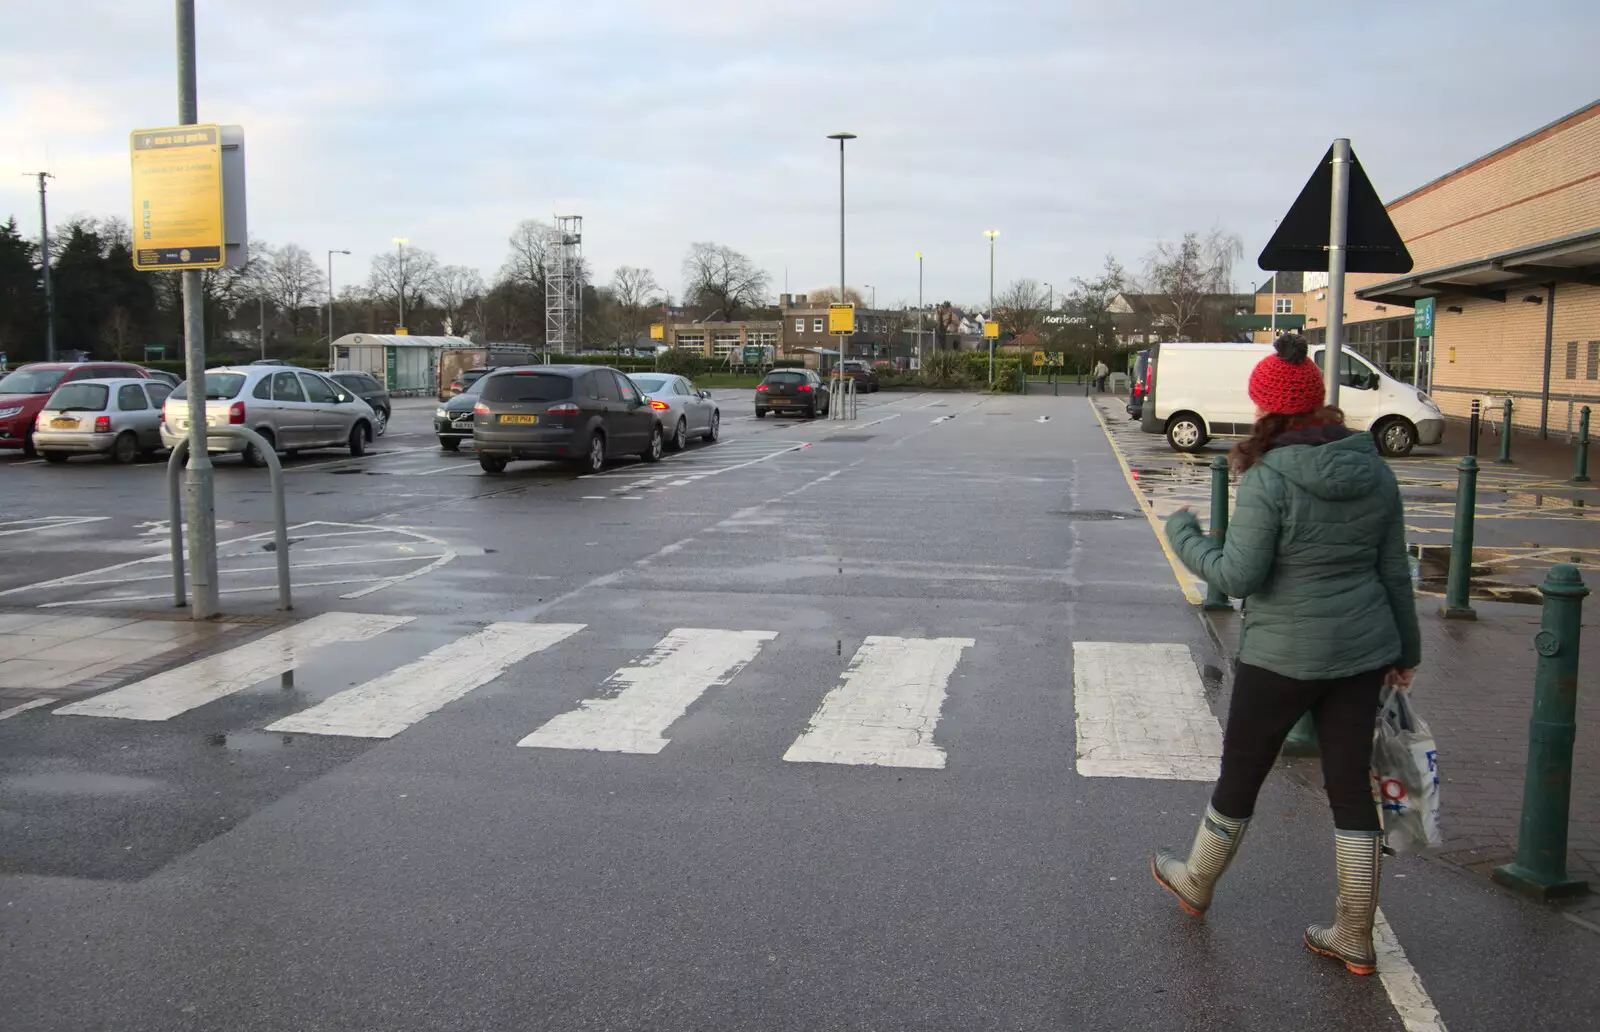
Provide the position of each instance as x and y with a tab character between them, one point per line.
1357	854
1192	880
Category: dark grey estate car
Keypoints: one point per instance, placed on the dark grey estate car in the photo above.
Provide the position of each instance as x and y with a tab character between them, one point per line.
580	414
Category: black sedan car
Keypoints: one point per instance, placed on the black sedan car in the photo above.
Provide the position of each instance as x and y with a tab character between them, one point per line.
799	391
369	390
452	420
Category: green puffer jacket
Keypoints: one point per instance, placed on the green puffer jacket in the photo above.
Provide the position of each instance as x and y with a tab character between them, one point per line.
1316	548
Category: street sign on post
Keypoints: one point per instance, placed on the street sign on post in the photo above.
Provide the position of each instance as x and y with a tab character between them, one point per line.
658	331
1423	325
1038	359
841	320
991	329
752	354
178	218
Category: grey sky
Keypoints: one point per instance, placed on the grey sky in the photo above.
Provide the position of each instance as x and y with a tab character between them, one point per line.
1073	128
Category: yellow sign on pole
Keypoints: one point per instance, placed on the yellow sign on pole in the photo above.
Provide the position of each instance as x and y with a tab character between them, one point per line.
658	331
177	198
841	320
1038	359
401	331
991	328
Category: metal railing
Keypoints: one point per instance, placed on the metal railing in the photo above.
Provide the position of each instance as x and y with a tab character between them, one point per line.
180	595
842	400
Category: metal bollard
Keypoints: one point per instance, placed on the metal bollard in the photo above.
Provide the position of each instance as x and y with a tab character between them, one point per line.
1540	869
1505	436
1216	598
1458	589
1580	464
1472	430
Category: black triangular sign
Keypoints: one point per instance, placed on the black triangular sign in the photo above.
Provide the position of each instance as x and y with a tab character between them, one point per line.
1301	242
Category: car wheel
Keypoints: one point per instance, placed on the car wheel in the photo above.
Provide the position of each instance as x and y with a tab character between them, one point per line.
492	464
360	436
381	423
811	413
253	456
680	436
53	456
450	443
761	413
595	459
1186	432
716	426
1395	436
27	445
125	448
653	452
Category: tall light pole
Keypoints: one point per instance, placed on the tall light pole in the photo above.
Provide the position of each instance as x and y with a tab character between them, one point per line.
44	263
400	248
331	356
919	309
874	295
992	234
838	368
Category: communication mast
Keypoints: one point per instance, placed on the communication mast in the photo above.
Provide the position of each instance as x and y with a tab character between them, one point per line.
563	291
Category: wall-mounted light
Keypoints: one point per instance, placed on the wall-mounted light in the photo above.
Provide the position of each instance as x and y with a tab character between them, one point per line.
1381	308
1534	299
1454	308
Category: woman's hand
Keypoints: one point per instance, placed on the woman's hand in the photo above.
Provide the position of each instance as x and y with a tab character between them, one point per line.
1399	679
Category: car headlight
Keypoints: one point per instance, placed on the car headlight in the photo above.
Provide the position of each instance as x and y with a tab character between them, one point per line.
441	413
12	411
1423	399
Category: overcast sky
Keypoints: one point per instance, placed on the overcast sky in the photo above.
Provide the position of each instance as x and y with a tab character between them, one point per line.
1074	128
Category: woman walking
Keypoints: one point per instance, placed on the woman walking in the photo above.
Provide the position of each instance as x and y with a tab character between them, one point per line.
1316	548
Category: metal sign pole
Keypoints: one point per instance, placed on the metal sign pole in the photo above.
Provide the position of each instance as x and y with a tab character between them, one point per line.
1338	231
199	495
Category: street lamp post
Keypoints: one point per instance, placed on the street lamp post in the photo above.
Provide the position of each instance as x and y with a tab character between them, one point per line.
991	234
838	368
331	363
400	248
919	310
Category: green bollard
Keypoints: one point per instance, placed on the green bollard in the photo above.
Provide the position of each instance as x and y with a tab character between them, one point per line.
1505	436
1216	598
1580	466
1540	869
1458	589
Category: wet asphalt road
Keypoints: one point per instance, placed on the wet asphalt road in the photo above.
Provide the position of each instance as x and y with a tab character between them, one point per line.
202	873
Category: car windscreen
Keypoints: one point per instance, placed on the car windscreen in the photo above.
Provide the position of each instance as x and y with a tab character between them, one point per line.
219	387
651	384
32	381
786	378
82	397
524	387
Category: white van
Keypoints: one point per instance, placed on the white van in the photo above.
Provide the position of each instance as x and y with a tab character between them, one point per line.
1199	391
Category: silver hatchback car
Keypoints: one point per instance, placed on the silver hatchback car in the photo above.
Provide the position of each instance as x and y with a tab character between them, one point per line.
294	409
116	417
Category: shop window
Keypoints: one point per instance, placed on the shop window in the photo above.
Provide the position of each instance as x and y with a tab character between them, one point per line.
1285	305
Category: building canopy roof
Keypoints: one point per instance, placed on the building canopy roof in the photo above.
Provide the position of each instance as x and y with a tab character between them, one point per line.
1569	259
401	340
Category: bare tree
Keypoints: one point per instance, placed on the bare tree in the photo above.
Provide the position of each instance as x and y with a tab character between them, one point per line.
830	296
1020	307
634	292
418	273
721	280
1089	301
457	290
533	244
119	332
288	277
1191	272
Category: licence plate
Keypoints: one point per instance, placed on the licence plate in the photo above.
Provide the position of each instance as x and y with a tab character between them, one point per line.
780	401
519	419
62	423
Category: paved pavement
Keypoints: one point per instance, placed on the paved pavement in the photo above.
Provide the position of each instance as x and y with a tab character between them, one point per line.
874	727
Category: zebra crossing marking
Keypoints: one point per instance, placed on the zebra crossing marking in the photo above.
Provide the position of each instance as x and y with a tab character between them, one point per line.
639	703
1142	713
183	688
387	705
885	711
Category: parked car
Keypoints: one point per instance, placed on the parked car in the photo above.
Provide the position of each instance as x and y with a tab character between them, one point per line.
117	418
582	414
1139	385
452	421
294	409
684	409
170	379
24	390
864	375
366	387
1198	391
466	379
800	391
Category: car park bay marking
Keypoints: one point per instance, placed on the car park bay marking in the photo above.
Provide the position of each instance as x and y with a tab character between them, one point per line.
183	688
1142	713
387	705
638	704
886	708
28	526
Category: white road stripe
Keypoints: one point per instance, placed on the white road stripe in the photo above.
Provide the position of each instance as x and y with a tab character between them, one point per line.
1401	981
206	680
387	705
639	703
885	711
47	523
23	707
1142	713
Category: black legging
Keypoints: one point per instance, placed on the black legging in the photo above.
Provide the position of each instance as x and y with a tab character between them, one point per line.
1266	705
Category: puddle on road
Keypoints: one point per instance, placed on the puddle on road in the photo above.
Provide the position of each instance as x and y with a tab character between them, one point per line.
249	741
1489	580
82	783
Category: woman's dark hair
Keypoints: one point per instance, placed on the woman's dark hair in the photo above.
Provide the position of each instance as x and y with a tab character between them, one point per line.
1274	425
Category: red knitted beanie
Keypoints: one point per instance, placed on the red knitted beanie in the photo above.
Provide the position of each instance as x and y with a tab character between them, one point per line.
1287	383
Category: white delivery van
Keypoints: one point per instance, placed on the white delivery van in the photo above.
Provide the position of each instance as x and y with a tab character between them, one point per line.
1199	391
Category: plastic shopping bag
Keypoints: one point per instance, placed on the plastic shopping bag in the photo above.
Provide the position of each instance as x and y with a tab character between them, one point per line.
1405	776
